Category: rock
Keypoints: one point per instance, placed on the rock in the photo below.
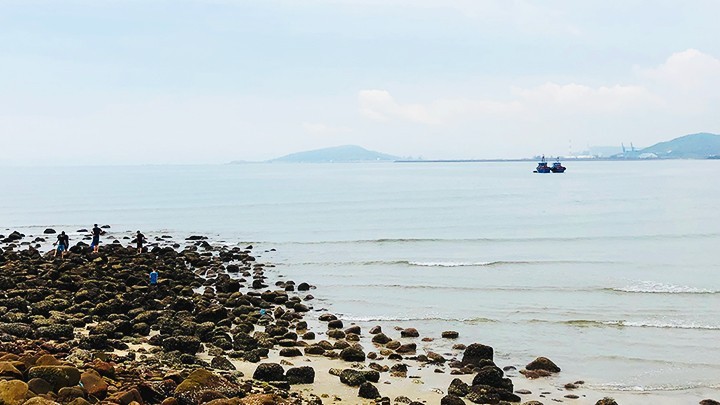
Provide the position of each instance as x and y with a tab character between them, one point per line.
381	338
184	344
69	394
493	377
269	372
303	287
12	392
192	389
39	386
58	376
49	231
39	401
543	363
222	363
94	384
450	334
355	329
56	332
290	352
375	330
127	397
409	332
407	348
451	400
611	401
532	374
335	324
8	371
353	378
369	391
458	388
352	354
301	375
481	394
475	353
703	402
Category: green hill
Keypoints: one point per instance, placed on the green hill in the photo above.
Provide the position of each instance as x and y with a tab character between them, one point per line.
694	146
338	154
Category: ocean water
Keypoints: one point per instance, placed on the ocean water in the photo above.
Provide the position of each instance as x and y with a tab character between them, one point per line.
611	269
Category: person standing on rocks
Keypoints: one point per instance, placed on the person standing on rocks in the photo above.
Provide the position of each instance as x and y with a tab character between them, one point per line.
62	244
96	231
139	239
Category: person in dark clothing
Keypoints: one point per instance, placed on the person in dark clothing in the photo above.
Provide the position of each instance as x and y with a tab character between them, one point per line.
96	231
63	242
139	239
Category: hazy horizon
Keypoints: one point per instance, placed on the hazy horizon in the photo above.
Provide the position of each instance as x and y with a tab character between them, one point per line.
122	82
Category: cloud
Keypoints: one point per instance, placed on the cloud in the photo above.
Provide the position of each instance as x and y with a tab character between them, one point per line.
688	71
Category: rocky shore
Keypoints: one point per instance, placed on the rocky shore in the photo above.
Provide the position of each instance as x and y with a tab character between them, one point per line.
219	328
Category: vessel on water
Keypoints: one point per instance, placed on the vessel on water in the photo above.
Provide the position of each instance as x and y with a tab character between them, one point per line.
543	167
557	167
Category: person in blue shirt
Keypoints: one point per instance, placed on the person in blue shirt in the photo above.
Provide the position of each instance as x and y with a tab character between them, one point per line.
153	278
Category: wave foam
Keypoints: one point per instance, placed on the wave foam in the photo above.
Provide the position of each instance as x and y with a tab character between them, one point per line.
642	324
651	287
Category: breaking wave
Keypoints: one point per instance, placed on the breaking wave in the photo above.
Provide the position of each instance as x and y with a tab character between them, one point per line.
640	324
650	287
470	321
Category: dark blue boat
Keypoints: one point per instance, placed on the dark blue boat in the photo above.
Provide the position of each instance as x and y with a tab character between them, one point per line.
542	166
557	167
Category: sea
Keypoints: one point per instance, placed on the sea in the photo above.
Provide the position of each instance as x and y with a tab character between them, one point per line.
612	269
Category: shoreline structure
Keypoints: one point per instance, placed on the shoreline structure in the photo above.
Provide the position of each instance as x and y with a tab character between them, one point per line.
223	328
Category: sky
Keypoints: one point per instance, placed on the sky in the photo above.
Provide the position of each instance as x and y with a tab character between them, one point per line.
92	82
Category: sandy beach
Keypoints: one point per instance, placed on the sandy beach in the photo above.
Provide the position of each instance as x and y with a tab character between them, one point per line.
219	309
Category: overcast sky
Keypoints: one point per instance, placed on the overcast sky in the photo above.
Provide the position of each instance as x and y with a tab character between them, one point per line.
210	81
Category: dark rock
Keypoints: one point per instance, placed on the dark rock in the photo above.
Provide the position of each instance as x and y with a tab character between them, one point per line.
290	352
269	372
451	400
450	334
543	363
458	387
381	338
369	391
184	344
49	231
353	378
409	332
352	354
94	384
611	401
222	363
39	386
301	375
475	353
192	389
493	377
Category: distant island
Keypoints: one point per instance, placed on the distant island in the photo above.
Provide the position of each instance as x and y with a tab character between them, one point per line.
337	154
694	146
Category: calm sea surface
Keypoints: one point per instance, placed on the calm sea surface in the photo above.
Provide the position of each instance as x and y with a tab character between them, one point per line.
611	269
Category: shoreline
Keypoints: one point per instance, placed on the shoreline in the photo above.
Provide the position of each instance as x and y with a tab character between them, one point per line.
213	275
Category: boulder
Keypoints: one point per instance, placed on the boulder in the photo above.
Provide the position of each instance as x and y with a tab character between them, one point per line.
13	392
451	400
184	344
352	354
39	386
57	376
611	401
192	389
94	384
269	372
381	339
353	378
458	388
543	363
493	377
9	371
301	375
222	363
409	333
476	353
369	391
450	334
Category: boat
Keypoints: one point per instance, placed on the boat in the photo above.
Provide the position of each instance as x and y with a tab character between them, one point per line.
542	166
557	167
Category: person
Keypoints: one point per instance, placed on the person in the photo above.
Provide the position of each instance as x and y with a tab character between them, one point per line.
96	231
62	244
139	239
153	277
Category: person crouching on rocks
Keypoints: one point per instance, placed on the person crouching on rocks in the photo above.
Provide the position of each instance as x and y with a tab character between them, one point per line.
139	239
153	278
63	242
